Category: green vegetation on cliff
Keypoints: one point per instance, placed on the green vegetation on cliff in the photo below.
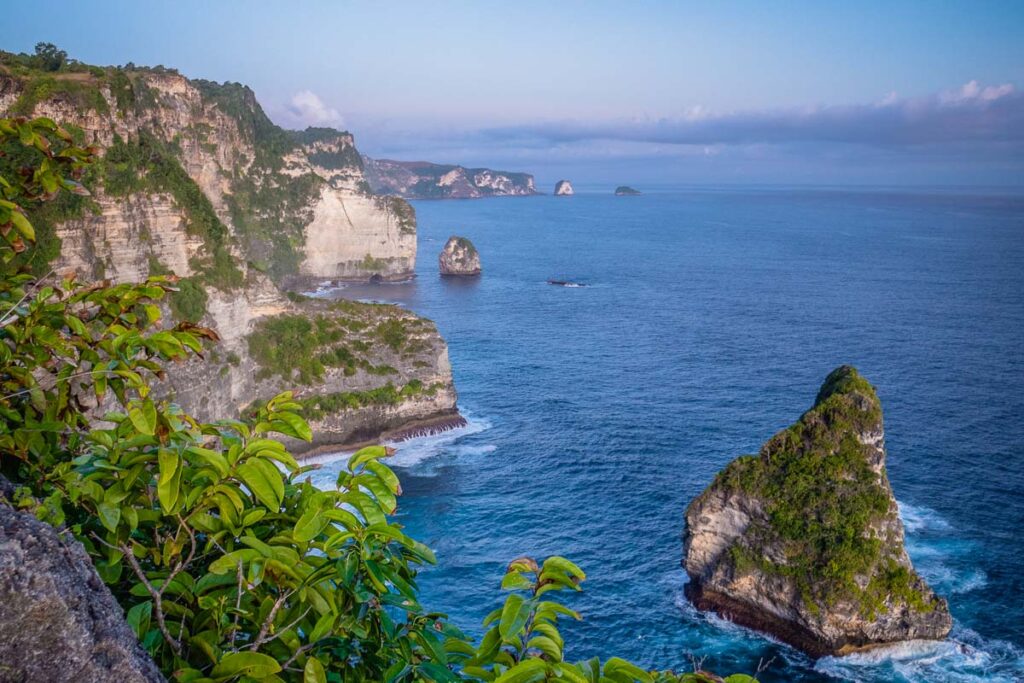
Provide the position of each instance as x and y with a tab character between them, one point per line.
300	347
824	501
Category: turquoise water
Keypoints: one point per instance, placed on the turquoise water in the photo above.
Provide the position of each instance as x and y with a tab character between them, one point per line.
709	320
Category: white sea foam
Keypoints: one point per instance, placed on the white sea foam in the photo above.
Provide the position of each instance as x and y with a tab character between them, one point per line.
409	452
918	518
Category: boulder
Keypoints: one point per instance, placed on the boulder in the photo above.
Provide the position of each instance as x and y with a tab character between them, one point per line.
459	257
804	540
563	188
58	620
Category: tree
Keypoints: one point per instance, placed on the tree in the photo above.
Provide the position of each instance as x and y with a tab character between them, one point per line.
49	57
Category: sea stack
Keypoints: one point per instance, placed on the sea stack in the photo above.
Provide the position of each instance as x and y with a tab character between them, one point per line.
804	541
625	191
459	257
563	188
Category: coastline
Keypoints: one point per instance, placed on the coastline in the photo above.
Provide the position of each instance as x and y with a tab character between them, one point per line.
438	424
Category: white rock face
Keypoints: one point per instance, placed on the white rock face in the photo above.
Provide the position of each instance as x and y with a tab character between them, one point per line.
354	236
563	188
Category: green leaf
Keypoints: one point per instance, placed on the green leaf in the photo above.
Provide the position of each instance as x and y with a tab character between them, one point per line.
740	678
110	515
310	525
143	416
169	484
513	616
616	666
291	424
246	664
264	480
526	671
314	672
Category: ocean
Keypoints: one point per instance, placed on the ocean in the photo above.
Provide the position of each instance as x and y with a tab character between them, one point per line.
708	321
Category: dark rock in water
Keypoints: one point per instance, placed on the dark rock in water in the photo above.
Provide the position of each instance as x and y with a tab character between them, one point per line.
625	190
563	188
566	283
459	257
804	540
58	621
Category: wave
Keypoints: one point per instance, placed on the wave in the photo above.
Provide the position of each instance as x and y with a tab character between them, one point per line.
951	661
411	451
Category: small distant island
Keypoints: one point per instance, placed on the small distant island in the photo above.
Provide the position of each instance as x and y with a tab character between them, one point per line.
459	258
563	188
625	191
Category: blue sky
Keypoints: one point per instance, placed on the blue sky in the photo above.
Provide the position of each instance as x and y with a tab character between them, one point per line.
607	92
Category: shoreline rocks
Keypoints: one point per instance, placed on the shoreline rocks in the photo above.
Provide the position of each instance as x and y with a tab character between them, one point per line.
804	541
459	257
563	188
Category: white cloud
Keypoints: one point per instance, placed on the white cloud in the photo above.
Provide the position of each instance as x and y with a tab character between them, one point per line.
307	109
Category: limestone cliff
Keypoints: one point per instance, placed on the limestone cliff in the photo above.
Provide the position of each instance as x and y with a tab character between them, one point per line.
194	179
563	188
804	540
424	180
185	160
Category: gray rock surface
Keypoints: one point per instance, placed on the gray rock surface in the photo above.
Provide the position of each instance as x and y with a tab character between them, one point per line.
804	540
459	257
58	621
563	188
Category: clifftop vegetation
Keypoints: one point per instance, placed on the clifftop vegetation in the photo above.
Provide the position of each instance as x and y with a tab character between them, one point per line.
825	503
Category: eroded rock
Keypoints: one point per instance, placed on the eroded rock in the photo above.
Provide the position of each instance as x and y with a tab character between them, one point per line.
459	257
804	540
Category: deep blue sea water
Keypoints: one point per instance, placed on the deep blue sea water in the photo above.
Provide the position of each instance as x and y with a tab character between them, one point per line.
709	320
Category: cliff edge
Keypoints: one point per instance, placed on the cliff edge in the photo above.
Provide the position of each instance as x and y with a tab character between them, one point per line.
804	540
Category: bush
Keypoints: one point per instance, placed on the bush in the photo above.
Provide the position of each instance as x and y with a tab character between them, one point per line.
189	302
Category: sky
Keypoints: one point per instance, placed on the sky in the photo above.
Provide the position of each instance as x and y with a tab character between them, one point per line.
837	93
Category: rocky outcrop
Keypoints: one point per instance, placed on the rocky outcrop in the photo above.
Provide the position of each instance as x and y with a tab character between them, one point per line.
58	620
625	191
424	180
363	372
804	541
459	257
563	188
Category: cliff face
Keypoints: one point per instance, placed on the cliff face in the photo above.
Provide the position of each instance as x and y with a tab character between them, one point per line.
58	620
804	540
194	180
424	180
291	204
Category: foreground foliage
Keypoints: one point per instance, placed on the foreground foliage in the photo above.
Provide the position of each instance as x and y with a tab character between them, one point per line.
230	564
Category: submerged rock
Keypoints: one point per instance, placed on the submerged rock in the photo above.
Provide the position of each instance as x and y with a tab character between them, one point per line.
459	257
804	540
563	188
58	621
625	190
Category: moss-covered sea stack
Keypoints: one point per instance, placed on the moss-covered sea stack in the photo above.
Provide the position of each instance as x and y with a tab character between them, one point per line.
804	540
